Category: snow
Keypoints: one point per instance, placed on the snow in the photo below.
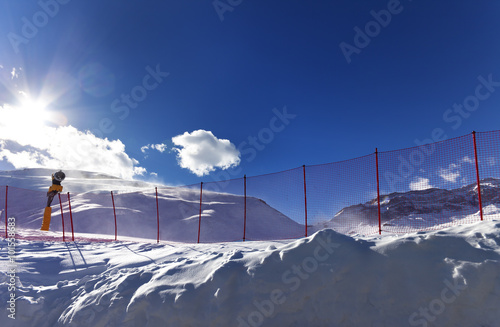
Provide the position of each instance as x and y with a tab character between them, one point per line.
136	209
76	181
449	277
412	211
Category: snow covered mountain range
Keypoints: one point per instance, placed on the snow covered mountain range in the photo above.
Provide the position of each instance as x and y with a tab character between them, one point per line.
419	209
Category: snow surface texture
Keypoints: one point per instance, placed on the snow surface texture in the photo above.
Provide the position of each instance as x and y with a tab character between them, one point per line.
445	278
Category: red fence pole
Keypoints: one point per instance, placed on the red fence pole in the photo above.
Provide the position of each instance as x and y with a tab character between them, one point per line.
6	194
245	208
114	212
378	194
71	219
157	217
305	196
477	176
199	219
62	216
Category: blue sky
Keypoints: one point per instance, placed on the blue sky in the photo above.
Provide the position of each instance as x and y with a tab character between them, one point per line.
180	91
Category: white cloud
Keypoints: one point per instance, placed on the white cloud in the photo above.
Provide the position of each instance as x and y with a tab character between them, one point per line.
158	147
450	174
467	159
453	173
140	171
14	74
26	142
420	183
201	152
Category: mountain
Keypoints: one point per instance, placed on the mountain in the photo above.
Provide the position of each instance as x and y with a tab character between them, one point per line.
415	210
222	216
77	181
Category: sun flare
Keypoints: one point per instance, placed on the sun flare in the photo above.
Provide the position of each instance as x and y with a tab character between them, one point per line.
25	119
33	111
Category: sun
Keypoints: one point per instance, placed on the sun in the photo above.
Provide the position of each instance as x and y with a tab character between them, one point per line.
29	116
23	122
25	119
32	113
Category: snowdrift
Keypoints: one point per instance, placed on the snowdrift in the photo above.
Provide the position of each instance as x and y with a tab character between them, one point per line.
445	278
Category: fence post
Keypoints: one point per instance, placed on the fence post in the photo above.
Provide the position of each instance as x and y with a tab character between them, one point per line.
71	219
245	208
114	212
6	196
378	194
62	216
199	218
477	176
305	196
157	217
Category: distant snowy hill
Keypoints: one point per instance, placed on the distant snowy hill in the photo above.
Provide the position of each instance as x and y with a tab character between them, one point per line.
426	208
136	210
77	181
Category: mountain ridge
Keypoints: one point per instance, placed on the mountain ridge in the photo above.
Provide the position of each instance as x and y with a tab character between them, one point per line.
426	207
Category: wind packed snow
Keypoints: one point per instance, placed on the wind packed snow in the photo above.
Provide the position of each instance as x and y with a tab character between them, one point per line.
441	278
446	278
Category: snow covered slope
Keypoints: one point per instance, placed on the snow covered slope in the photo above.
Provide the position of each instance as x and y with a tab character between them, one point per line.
92	209
77	181
445	278
419	209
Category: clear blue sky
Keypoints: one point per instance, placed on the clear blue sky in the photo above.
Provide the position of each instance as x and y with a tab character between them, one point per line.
230	66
